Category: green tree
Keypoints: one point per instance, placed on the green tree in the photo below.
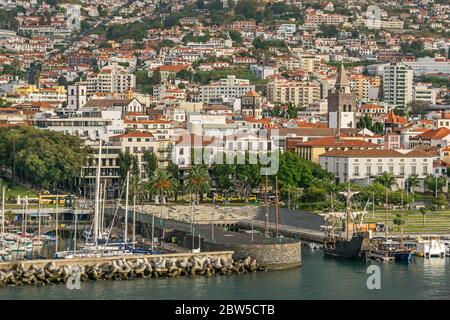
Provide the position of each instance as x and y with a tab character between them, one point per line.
198	181
387	180
314	194
298	172
235	36
174	170
399	221
127	163
246	8
161	184
413	182
435	184
423	211
42	158
150	162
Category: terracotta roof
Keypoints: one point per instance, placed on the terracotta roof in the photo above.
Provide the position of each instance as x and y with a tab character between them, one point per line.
252	93
335	142
433	134
393	118
176	68
194	140
362	153
106	103
133	135
311	132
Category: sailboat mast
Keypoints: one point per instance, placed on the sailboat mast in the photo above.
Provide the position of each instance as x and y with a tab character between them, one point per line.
134	220
266	222
3	210
102	224
26	215
97	194
276	206
387	214
75	233
125	234
56	222
39	217
348	212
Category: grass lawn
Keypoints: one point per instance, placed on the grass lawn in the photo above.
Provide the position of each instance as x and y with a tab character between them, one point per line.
435	221
12	192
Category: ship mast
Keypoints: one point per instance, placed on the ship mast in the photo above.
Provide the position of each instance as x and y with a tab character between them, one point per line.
348	194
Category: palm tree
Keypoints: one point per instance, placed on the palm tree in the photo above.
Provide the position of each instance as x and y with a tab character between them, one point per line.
413	181
161	184
135	190
387	180
423	211
198	181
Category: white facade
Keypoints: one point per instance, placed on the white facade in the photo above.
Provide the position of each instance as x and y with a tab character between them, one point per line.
429	65
229	87
398	85
423	92
76	97
356	165
87	124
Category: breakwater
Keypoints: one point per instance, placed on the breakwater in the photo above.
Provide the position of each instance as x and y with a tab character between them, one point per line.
274	253
42	272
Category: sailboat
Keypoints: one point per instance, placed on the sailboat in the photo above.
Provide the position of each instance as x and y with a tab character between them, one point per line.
97	249
5	251
353	246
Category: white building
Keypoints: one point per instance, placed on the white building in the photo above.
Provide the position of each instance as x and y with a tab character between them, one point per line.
354	165
398	85
113	78
90	124
229	87
429	65
425	92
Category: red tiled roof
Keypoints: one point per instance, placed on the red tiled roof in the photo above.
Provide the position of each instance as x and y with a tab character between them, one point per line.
433	134
362	153
133	135
334	142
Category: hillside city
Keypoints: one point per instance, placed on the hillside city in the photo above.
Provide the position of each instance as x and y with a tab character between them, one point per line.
343	91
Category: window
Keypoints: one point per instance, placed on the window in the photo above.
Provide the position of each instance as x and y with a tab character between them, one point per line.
368	170
391	169
413	170
356	170
402	170
425	170
380	169
181	151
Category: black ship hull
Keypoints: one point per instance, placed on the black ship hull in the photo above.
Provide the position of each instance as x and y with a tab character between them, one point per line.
358	247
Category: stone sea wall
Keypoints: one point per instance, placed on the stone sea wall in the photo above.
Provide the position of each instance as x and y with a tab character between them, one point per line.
274	256
42	272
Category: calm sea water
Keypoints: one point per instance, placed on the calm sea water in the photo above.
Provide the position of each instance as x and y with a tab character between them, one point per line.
318	278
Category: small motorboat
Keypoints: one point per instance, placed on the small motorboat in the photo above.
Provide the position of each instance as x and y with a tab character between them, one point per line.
313	246
431	248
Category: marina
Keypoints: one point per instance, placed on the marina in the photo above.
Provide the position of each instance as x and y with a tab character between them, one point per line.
318	278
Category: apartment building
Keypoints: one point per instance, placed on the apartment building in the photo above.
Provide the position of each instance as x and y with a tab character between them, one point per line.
230	87
425	92
110	79
398	85
300	93
88	124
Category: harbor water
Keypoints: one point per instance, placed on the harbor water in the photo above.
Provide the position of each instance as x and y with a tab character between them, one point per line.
318	278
